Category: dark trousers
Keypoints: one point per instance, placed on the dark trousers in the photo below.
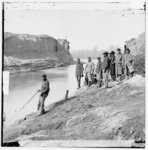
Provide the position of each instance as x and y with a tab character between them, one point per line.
78	80
86	79
113	72
41	103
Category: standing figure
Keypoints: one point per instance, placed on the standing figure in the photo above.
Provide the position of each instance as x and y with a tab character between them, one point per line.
105	68
112	66
43	94
99	72
125	48
93	72
89	70
119	65
128	64
79	72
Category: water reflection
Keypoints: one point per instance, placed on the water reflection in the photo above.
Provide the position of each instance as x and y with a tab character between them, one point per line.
24	85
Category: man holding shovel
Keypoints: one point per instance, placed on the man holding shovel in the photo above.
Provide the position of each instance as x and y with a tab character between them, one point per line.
43	94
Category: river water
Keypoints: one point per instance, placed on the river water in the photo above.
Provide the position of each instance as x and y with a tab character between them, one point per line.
24	85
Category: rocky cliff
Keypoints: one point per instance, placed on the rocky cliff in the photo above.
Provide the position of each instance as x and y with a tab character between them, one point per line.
26	49
137	47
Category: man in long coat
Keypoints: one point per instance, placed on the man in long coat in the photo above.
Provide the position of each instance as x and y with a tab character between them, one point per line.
79	72
105	68
128	64
112	66
99	71
119	65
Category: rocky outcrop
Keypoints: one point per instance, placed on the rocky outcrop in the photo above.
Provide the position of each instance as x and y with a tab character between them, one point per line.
33	48
137	45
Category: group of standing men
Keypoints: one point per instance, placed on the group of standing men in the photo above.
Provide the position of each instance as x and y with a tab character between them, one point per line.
118	65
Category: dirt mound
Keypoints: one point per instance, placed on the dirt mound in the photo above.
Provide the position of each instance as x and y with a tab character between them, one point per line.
137	80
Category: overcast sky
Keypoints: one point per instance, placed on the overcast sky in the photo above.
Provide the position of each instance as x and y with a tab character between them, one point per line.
84	25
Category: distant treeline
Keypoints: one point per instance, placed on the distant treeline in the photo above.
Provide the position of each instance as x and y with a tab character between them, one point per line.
86	53
94	52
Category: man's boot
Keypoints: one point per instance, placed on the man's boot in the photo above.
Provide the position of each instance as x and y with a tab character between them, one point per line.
89	83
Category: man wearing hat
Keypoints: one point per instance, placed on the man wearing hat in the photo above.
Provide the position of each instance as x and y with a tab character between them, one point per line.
112	66
128	64
43	94
99	71
119	65
105	67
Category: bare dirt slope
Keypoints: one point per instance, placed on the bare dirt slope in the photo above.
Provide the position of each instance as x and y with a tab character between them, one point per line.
116	113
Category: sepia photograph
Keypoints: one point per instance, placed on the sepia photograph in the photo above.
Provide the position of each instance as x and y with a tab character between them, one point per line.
73	74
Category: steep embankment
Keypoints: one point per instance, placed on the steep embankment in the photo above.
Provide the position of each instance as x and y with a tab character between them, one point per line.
137	47
116	113
31	52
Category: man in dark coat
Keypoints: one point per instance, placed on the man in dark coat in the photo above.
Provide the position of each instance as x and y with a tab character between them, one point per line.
112	66
79	72
99	71
105	68
45	88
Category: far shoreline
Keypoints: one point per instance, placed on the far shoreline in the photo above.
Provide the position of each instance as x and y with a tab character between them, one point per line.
28	68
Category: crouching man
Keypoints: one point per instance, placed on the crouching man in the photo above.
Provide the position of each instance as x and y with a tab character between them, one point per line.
43	94
79	72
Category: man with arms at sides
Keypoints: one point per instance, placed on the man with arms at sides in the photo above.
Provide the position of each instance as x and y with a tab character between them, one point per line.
89	71
128	64
119	65
105	68
99	72
112	66
79	72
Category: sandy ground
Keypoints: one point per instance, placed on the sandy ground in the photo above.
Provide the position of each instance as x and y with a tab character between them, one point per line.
115	113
